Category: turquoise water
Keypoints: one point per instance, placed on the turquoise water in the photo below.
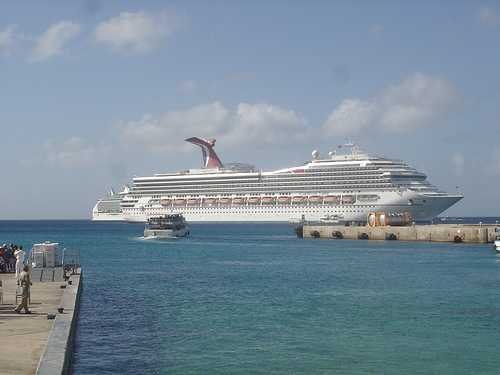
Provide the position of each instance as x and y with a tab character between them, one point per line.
253	299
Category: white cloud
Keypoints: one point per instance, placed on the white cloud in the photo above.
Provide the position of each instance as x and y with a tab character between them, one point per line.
135	32
458	161
53	40
350	117
488	17
73	152
188	87
165	132
264	124
7	38
417	101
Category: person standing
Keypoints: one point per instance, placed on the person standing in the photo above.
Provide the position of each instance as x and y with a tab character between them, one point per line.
25	280
12	262
19	254
10	259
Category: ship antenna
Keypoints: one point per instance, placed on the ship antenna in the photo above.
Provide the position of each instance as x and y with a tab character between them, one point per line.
352	146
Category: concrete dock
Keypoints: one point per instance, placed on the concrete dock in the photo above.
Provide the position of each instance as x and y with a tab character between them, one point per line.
25	340
473	233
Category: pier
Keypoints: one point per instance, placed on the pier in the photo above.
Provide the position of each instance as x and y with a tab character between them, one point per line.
33	343
458	233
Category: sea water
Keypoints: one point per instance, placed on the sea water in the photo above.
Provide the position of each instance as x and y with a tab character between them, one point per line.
254	299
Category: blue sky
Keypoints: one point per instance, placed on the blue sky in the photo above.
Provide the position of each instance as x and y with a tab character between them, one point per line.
95	92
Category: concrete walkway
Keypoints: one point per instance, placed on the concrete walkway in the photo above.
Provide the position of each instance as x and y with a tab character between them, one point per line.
23	337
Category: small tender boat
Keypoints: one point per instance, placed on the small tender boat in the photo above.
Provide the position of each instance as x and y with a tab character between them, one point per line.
193	202
224	201
348	199
332	219
167	226
254	200
315	199
166	202
368	197
179	202
284	199
239	201
268	200
210	201
298	199
332	199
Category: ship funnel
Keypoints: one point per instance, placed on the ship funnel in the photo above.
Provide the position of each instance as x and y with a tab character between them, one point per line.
210	158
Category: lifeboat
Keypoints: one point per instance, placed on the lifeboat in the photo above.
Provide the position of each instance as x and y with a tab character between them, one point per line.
348	199
193	202
166	202
179	202
368	198
210	201
225	201
284	199
332	199
239	200
268	200
254	200
315	199
298	199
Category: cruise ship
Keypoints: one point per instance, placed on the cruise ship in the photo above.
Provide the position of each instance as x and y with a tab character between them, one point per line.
348	183
109	207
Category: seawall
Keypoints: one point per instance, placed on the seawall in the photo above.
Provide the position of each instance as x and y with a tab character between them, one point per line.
58	353
434	233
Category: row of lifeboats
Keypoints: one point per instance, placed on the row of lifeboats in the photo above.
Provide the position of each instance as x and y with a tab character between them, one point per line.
257	201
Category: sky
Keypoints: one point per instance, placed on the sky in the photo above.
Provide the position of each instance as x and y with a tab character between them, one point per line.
95	92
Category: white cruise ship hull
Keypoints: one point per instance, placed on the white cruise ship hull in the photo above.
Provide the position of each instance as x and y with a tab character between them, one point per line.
100	213
425	209
107	217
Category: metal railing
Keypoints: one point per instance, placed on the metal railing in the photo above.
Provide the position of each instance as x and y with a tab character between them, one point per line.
71	261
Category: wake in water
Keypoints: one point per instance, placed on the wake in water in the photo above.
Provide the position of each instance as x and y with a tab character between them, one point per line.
155	238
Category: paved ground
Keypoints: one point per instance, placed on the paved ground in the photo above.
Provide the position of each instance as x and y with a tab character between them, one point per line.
23	337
